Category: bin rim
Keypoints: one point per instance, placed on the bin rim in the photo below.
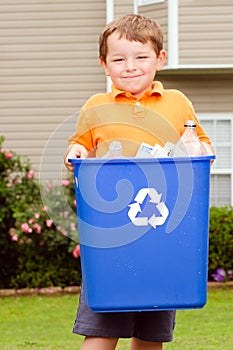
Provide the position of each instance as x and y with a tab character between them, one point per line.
140	160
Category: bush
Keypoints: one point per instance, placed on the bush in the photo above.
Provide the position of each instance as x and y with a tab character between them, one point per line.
221	243
38	230
37	250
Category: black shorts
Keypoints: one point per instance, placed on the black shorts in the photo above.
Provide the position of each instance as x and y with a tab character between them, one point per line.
151	326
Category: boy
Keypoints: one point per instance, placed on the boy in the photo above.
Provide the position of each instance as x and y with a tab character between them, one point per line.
137	110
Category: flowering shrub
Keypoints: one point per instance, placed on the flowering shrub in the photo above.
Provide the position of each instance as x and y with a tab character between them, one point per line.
47	225
221	276
221	244
38	239
38	233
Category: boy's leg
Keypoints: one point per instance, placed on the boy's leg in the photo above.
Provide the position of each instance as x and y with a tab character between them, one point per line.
98	343
137	344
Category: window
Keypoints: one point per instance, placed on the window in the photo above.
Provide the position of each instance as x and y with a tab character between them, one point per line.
219	127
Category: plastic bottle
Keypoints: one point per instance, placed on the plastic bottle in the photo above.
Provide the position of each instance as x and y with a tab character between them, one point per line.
189	143
115	150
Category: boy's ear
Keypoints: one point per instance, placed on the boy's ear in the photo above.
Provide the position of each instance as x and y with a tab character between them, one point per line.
103	64
161	59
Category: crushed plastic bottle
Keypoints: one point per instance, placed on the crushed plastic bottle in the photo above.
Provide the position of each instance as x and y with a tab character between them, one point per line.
115	150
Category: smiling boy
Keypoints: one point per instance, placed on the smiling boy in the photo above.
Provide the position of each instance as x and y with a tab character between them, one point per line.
137	109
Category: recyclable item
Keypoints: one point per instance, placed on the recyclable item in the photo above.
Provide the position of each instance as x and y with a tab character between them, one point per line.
115	150
165	151
189	143
145	151
157	150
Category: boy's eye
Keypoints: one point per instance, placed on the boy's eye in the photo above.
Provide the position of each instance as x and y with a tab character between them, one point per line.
118	60
142	57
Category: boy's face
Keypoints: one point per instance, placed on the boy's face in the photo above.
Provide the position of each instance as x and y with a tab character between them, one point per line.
132	65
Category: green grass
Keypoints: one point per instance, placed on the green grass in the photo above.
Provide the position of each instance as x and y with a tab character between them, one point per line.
46	323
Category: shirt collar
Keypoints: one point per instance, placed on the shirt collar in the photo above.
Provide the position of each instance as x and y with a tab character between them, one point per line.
157	89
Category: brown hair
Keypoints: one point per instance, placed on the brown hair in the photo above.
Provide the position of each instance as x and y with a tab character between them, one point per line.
134	28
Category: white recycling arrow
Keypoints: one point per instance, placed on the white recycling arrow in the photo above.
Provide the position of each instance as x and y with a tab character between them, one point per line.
159	220
155	198
154	195
134	210
141	221
141	195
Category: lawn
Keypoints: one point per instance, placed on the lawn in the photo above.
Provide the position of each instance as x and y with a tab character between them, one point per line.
40	322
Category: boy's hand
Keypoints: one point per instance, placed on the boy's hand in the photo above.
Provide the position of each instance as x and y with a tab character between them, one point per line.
74	151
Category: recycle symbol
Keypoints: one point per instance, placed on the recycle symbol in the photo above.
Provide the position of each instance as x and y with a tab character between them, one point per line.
153	220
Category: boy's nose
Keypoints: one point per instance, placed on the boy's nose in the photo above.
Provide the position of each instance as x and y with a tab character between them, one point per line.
130	65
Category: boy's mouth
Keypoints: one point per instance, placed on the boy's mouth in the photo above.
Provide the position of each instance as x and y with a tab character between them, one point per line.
132	76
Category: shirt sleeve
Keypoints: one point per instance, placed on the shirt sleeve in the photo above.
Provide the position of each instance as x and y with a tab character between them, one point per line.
83	133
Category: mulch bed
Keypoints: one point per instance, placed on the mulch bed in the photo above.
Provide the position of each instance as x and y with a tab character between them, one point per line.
39	291
76	290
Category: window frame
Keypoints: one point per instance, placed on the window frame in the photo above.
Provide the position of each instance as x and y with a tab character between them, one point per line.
221	171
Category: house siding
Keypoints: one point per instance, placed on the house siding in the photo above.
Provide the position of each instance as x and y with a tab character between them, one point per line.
204	90
49	64
122	7
158	12
205	32
49	67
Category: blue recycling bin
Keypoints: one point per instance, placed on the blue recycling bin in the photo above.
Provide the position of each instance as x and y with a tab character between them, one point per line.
143	232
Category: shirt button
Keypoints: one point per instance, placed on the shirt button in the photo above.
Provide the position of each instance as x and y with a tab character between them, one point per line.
138	103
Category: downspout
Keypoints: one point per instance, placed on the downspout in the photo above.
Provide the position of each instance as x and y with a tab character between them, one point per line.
135	7
173	34
109	10
109	18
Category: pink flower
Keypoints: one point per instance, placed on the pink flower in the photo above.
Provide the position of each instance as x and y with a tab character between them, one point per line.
49	186
30	174
76	251
37	215
37	228
26	228
14	238
31	221
49	222
45	208
65	183
8	155
59	228
72	226
15	181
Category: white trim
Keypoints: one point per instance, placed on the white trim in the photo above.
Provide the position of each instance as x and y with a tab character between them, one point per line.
109	18
216	116
197	66
148	2
135	7
109	84
225	171
173	34
109	10
219	171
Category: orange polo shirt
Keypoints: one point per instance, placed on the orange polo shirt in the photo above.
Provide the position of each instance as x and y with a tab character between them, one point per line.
156	117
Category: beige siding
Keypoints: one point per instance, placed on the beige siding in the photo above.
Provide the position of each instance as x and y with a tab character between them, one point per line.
205	91
48	68
159	13
205	32
49	64
122	7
